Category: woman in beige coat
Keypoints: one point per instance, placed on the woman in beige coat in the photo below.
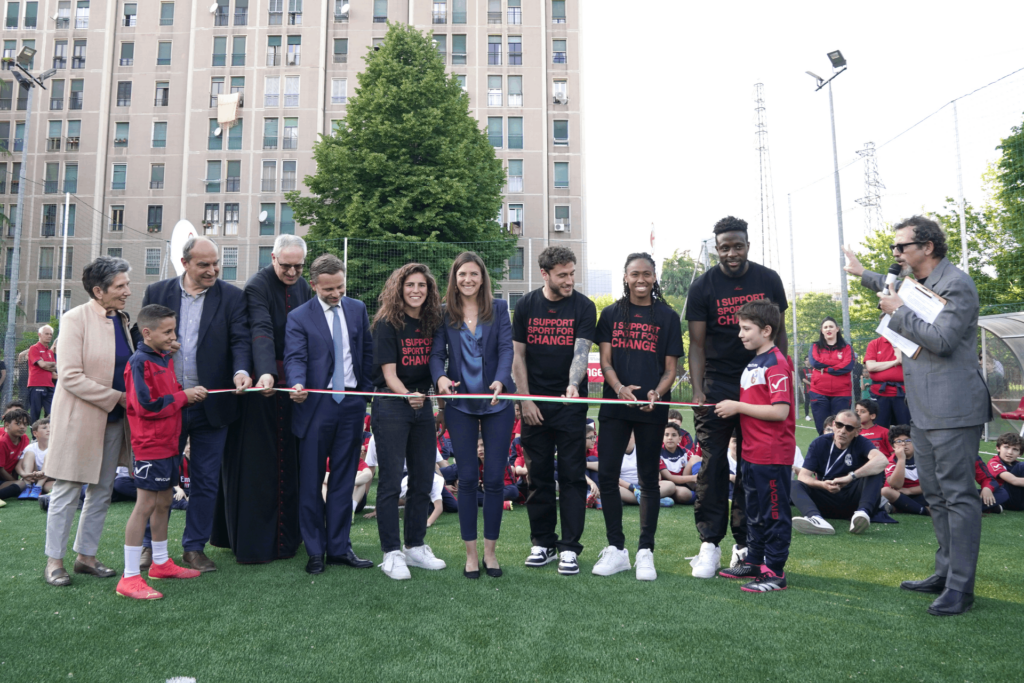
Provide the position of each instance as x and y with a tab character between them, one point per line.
89	432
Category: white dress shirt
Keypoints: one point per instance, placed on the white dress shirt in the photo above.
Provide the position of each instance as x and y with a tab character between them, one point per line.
350	374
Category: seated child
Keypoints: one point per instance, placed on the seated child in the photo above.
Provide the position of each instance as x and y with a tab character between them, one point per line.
13	443
510	490
31	466
993	495
828	426
677	464
629	480
436	504
1008	470
902	488
867	411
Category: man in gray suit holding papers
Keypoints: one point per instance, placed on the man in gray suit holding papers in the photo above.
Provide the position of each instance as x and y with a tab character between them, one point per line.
949	404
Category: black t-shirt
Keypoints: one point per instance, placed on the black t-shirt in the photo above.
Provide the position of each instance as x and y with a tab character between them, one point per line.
828	461
639	347
550	330
714	299
408	349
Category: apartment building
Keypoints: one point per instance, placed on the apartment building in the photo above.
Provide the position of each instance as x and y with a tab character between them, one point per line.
132	123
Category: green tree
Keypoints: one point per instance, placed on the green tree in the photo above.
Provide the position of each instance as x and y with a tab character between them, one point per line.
811	309
1010	179
677	272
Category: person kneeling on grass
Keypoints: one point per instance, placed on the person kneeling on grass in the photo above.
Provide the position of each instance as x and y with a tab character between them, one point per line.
902	488
767	410
1008	470
841	478
13	442
155	402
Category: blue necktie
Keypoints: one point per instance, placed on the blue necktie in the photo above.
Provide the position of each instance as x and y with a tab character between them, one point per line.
339	356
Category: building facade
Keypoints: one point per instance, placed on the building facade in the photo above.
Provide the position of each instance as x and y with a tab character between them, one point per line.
128	123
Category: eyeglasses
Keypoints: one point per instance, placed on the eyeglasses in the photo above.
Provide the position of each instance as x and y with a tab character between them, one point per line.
900	248
297	267
591	438
901	442
843	425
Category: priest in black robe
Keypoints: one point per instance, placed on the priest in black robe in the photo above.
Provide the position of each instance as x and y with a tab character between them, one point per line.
258	514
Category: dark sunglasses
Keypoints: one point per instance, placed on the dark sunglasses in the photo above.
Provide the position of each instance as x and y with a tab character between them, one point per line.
900	248
843	425
297	267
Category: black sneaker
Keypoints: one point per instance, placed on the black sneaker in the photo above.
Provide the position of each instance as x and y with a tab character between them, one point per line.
568	564
44	502
765	583
541	556
744	570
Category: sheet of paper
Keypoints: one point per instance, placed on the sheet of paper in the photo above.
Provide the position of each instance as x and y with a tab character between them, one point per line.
907	347
926	305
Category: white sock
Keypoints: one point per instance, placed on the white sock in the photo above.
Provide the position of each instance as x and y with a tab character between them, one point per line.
355	504
132	556
159	552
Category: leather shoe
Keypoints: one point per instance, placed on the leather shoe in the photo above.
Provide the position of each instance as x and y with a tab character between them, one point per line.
97	570
350	560
933	584
951	603
146	559
58	577
197	559
315	565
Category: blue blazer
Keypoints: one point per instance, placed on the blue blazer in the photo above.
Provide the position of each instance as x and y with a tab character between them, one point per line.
309	354
224	346
497	342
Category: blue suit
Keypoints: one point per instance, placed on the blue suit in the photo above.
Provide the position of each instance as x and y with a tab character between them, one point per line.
327	431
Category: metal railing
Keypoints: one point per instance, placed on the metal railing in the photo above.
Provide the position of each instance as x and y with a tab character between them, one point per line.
268	185
77	99
163	61
19	144
515	183
494	17
295	18
167	21
340	57
5	103
443	55
56	103
271	99
440	17
515	58
78	62
237	59
275	18
269	142
51	186
233	185
515	100
156	185
155	227
220	17
458	58
72	144
288	184
515	15
380	20
116	226
241	16
559	58
290	141
340	18
3	186
117	184
123	102
71	186
81	22
220	59
213	142
458	17
161	101
273	58
496	139
515	141
291	99
128	20
42	315
123	61
62	23
213	98
62	62
53	144
22	103
494	99
494	58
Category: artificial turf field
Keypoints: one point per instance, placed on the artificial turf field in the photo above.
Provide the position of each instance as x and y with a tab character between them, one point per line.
843	618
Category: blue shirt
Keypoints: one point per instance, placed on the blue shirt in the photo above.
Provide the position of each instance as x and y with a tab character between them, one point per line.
828	461
472	349
189	317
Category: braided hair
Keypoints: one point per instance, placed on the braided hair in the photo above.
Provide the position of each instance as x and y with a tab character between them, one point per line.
655	291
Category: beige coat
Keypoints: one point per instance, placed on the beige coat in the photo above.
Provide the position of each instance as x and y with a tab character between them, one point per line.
83	397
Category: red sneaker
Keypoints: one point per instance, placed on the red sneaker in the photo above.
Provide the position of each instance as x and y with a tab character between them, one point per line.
136	587
169	570
508	505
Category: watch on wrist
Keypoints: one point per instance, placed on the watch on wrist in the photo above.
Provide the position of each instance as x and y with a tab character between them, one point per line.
853	475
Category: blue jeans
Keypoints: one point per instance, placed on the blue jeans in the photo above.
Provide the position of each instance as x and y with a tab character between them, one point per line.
823	406
497	432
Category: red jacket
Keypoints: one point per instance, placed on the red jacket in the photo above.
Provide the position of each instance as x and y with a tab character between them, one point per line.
983	475
831	370
887	383
155	400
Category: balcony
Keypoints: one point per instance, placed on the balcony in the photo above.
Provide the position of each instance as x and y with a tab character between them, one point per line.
124	61
121	102
233	185
128	20
156	185
494	17
53	144
49	230
515	183
71	144
161	101
341	58
56	103
269	142
290	141
268	185
62	23
440	17
60	62
241	16
76	99
5	103
220	17
515	57
78	62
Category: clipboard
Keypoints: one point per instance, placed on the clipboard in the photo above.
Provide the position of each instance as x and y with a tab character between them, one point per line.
926	304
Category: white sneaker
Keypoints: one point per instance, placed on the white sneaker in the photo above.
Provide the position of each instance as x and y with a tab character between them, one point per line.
394	565
706	564
611	561
567	563
422	557
813	525
645	565
860	522
807	418
739	556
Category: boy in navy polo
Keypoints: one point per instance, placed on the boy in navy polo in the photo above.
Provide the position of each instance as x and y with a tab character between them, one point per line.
155	401
767	411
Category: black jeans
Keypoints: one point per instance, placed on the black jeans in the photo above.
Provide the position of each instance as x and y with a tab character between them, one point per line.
711	511
860	494
610	448
564	427
404	436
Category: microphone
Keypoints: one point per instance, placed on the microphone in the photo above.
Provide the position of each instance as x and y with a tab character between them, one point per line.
890	278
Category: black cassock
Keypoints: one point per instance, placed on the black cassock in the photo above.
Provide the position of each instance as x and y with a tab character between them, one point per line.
258	511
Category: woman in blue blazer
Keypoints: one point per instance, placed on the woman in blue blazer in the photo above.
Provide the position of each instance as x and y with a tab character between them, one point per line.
475	340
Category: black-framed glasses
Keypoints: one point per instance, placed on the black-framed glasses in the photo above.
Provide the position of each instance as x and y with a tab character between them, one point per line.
297	267
900	248
843	425
591	438
901	442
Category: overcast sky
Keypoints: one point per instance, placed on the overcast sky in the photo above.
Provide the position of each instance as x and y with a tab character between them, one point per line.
669	119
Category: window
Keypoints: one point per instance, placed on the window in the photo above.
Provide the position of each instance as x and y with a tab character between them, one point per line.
339	15
71	178
558	11
294	12
380	12
43	302
19	136
459	49
159	134
12	210
493	11
458	11
211	219
291	133
31	14
166	13
515	175
515	91
60	54
515	264
71	231
13	12
6	95
229	263
235	136
494	50
267	225
238	51
440	13
121	134
3	183
74	133
163	54
66	304
153	261
220	51
336	125
78	54
163	93
234	179
7	271
560	92
57	95
212	177
515	132
216	88
265	253
269	133
561	174
127	54
494	98
561	130
119	177
339	91
274	50
287	221
63	14
441	43
114	251
515	12
78	96
558	51
291	91
340	50
117	217
220	14
49	230
294	51
377	43
515	50
513	299
515	219
268	181
156	176
461	78
10	50
31	60
241	12
214	140
51	183
288	180
155	218
128	18
495	132
231	219
562	218
276	12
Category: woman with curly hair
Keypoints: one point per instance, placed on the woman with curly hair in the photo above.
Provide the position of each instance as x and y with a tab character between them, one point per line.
476	342
403	419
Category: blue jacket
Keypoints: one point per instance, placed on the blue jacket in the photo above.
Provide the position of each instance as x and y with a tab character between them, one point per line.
309	354
497	343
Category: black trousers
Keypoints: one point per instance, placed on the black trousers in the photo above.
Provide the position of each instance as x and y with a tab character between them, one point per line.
564	428
39	399
711	511
862	494
610	448
769	515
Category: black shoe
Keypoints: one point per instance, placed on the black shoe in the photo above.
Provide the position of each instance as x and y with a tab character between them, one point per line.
933	584
44	502
493	572
744	570
471	575
315	565
951	603
349	559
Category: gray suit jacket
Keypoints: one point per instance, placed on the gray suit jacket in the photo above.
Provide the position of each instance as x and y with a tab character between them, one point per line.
945	388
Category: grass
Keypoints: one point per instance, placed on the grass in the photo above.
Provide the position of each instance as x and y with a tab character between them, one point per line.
844	617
